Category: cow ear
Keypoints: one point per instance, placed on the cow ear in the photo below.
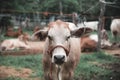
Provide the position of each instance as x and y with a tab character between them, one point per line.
80	32
41	35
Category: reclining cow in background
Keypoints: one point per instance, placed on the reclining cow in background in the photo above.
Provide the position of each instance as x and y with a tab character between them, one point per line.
62	50
11	33
90	42
11	44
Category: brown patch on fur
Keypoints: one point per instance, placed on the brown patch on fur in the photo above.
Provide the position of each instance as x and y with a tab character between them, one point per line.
87	44
11	33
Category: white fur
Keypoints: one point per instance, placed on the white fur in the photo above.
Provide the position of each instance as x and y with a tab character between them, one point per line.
59	35
94	37
72	26
115	26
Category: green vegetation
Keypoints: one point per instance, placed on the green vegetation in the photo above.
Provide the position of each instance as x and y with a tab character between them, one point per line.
69	6
31	61
45	5
96	66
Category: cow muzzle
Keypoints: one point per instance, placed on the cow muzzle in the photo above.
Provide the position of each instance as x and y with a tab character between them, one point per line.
59	59
59	54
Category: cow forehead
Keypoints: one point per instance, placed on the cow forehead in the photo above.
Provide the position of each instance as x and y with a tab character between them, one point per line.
59	28
58	22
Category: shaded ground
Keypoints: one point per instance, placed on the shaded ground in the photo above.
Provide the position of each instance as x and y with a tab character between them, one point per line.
113	75
9	71
21	52
115	52
24	73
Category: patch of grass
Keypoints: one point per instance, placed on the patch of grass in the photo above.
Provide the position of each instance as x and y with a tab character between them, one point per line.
97	66
33	62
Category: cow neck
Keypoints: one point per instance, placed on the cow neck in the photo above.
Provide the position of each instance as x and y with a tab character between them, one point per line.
58	72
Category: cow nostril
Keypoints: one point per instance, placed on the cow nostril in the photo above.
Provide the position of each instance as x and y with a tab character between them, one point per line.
59	59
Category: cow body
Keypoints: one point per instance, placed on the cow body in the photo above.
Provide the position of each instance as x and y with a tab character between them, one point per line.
11	44
66	69
60	31
89	42
62	51
115	28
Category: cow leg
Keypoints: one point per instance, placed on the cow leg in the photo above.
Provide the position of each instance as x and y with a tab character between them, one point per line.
115	35
50	71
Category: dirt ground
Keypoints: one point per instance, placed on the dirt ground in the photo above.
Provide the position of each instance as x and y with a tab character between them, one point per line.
23	73
21	52
9	71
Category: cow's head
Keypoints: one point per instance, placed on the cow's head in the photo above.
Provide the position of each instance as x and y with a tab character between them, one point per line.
59	35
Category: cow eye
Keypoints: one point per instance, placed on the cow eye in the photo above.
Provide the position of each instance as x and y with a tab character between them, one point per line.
50	37
67	37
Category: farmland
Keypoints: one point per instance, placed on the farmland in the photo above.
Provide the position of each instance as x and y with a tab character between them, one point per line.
21	65
93	66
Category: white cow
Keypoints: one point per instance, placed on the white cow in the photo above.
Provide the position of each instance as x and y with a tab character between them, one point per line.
115	28
90	24
62	51
11	44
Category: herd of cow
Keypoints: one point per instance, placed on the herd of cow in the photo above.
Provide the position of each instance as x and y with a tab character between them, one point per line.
63	43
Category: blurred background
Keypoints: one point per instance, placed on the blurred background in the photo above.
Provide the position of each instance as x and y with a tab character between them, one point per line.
31	13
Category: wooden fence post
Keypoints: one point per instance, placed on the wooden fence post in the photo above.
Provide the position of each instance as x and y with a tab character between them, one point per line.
101	23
